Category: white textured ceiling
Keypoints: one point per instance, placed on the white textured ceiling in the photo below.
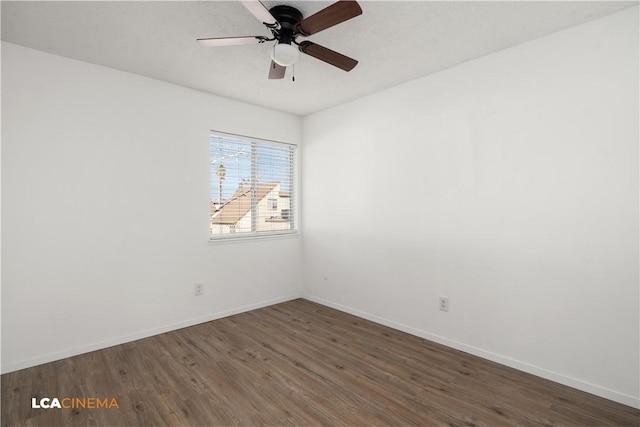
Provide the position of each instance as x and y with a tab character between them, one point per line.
394	41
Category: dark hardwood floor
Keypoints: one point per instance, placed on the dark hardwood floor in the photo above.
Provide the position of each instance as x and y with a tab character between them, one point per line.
296	363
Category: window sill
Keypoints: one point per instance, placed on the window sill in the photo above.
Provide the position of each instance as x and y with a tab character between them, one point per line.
253	237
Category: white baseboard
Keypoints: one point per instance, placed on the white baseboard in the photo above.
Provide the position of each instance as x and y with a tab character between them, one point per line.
494	357
51	357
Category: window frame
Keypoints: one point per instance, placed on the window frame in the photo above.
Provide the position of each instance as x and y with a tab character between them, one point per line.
294	192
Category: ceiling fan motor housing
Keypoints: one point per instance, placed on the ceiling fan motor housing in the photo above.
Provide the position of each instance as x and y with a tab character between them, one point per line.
289	19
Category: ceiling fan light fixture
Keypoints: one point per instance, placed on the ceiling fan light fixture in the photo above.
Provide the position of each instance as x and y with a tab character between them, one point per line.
285	54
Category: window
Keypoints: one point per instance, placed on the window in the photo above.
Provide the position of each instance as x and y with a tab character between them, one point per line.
251	187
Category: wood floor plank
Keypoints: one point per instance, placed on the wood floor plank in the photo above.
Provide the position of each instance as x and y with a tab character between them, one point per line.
297	363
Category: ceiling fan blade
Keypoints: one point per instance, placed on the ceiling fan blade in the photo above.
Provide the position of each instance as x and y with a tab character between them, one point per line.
276	71
230	41
327	55
338	12
261	13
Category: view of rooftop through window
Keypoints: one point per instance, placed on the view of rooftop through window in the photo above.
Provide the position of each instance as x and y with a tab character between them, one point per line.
251	186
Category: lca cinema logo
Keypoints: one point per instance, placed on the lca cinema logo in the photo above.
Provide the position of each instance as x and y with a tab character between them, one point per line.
74	402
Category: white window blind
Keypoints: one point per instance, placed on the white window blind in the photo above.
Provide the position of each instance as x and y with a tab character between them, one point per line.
252	190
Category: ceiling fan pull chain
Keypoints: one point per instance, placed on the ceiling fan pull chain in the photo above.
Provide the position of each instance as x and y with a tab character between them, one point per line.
293	73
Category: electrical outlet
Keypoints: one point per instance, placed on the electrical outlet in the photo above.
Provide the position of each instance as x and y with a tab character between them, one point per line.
197	289
444	303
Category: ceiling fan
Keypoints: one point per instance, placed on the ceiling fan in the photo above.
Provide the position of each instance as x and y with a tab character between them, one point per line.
286	24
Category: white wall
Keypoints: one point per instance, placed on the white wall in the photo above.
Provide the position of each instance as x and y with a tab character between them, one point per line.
508	184
105	204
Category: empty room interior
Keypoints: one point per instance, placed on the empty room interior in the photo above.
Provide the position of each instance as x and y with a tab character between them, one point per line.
320	213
